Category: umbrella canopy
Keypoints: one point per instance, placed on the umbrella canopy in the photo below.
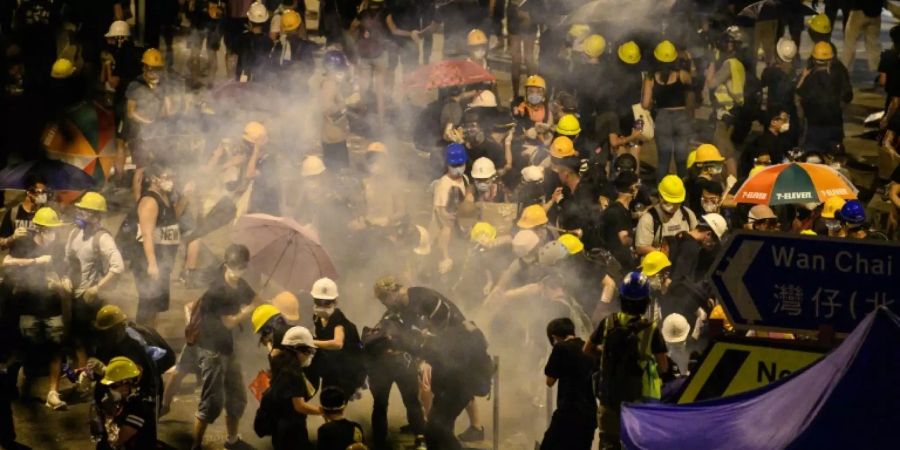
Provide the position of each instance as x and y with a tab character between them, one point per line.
60	176
448	73
284	251
794	183
85	138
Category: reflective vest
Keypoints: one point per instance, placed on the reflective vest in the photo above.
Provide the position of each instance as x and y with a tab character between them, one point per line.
731	92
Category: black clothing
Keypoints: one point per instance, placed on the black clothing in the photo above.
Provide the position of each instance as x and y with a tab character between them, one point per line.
895	175
385	370
150	383
673	95
290	429
890	66
617	218
338	435
684	252
253	55
579	210
22	220
218	301
573	368
133	412
342	368
266	194
489	149
153	295
871	8
422	302
823	94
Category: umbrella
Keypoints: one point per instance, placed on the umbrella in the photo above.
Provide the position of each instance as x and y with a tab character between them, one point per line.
85	138
794	183
794	8
283	250
448	73
60	176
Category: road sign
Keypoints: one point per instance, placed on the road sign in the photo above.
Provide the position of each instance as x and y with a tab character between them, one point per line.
791	282
733	367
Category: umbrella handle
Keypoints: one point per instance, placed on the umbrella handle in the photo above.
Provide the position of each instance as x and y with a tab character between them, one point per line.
280	257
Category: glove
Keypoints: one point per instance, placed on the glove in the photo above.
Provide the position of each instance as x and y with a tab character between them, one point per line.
44	259
20	233
445	266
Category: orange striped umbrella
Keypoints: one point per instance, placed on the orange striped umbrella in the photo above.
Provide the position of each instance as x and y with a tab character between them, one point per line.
448	73
794	183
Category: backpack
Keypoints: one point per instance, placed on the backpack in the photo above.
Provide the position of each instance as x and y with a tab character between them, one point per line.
628	369
192	329
148	338
665	242
99	261
264	421
126	238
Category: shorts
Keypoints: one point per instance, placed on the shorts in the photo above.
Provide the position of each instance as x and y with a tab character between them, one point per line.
42	331
188	360
232	30
221	386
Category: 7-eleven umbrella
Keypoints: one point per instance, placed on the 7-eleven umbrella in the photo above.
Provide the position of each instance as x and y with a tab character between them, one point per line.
794	183
448	73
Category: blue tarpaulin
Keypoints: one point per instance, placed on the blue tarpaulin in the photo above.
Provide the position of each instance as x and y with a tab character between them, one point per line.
850	399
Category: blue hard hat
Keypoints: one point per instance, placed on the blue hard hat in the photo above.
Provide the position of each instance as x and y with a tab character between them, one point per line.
853	213
636	286
335	60
456	155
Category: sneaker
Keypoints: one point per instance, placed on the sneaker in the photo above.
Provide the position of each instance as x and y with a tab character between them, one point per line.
472	434
239	444
420	443
54	402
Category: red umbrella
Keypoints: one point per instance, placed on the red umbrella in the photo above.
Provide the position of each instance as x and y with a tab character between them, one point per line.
448	73
283	250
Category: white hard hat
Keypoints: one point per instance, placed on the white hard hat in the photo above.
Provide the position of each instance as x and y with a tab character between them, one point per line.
424	247
533	173
483	168
298	337
119	28
524	242
324	289
786	49
311	166
485	99
675	328
258	13
717	223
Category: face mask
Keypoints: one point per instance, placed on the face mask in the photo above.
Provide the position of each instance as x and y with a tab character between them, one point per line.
233	275
479	54
482	186
40	199
785	127
814	160
669	208
656	283
323	311
714	170
535	99
306	360
166	185
457	171
474	137
48	236
80	222
710	207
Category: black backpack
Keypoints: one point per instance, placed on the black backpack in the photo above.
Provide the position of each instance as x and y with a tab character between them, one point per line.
264	421
620	365
126	238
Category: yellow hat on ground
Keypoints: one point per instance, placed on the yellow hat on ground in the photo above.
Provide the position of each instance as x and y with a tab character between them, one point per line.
532	216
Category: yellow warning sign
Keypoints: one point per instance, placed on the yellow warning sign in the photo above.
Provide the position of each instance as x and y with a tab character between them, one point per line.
731	368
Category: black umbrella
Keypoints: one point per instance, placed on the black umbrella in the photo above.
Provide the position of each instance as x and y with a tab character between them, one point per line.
59	175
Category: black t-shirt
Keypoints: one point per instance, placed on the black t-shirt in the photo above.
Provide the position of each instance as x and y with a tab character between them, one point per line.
489	149
411	15
822	96
617	218
781	86
684	253
218	301
579	209
890	65
133	350
22	220
338	435
573	368
30	290
422	302
135	412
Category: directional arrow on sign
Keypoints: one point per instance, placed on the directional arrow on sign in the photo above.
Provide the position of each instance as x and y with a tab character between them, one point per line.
733	278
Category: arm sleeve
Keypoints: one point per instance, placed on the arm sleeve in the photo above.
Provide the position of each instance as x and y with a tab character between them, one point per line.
684	264
555	364
111	253
721	76
644	232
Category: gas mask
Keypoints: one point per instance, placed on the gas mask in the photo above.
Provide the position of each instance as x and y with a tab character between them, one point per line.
457	171
535	99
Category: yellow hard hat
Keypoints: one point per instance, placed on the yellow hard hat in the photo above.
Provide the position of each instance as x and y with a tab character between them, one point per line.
376	147
820	23
654	262
579	30
535	81
483	232
92	201
261	315
62	68
571	243
808	233
665	52
671	189
255	133
476	37
756	169
630	53
120	369
153	58
290	20
708	153
568	125
108	317
47	217
719	313
532	216
823	51
831	206
691	159
594	45
562	147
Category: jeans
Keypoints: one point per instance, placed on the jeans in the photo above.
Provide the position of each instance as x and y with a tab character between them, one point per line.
222	385
384	371
672	133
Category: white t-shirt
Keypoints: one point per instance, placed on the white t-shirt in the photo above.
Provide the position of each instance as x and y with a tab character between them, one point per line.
83	249
444	187
644	235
